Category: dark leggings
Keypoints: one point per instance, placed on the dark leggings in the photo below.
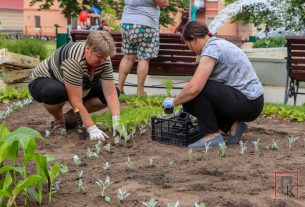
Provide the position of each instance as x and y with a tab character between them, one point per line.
218	106
51	91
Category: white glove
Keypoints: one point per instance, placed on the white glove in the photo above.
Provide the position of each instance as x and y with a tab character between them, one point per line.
96	134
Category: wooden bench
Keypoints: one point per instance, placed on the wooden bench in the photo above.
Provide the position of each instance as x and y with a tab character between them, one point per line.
295	66
174	58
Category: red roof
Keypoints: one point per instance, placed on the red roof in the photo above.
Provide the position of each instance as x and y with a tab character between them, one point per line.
11	4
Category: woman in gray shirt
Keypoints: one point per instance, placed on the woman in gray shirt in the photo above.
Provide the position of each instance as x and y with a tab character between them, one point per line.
224	92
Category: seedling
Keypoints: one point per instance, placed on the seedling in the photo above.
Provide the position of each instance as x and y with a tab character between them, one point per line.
222	149
128	162
122	194
173	204
243	147
80	182
190	153
106	166
291	141
76	160
171	162
98	146
47	133
151	161
56	186
207	147
168	85
142	129
103	186
199	205
274	145
132	132
117	140
256	145
90	153
151	203
107	147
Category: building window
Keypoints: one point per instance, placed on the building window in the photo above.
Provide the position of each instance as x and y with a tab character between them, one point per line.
37	21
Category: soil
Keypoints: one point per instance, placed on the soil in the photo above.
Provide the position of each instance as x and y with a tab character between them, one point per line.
231	181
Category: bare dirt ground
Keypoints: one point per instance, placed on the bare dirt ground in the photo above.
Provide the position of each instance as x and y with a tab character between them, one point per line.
231	181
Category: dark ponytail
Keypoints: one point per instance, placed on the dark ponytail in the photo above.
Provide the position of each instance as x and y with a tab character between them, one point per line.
194	29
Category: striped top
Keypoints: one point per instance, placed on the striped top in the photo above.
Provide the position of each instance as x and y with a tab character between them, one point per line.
68	64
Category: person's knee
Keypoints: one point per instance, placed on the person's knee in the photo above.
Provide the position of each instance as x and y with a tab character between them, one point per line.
130	58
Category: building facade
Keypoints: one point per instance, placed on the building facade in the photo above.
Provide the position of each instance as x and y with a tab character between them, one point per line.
11	15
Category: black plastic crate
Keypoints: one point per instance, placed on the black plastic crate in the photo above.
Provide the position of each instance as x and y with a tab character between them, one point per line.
179	130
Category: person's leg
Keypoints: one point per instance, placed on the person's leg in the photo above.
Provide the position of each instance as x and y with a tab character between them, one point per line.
142	71
124	69
52	94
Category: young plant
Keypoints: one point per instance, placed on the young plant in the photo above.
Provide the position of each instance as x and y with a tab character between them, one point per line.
169	86
256	145
90	153
243	147
274	145
122	194
222	149
172	204
107	147
199	205
207	147
142	129
103	186
98	146
117	140
106	166
128	162
76	160
80	182
151	203
151	161
190	153
291	141
171	162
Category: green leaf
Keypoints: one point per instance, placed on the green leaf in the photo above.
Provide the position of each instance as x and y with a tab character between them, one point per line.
64	169
55	171
22	185
4	193
8	150
11	168
33	193
42	166
4	132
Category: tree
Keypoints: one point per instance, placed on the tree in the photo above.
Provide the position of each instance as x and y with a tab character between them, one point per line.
288	14
71	8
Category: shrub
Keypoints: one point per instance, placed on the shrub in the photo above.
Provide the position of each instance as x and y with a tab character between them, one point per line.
26	46
270	42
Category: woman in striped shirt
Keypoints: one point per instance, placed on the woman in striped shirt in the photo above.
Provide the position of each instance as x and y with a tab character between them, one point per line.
82	74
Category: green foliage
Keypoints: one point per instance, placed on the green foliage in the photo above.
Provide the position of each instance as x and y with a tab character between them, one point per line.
292	113
8	94
27	183
168	85
26	46
142	100
110	12
294	15
165	16
270	42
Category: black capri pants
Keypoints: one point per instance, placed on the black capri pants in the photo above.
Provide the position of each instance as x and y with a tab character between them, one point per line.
51	91
218	106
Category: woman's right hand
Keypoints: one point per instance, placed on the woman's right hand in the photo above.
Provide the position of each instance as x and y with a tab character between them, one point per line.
96	134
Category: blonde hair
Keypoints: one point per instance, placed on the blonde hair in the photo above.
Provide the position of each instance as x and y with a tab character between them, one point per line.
101	42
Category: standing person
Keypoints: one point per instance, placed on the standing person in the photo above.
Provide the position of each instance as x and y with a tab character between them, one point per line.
224	91
80	73
140	38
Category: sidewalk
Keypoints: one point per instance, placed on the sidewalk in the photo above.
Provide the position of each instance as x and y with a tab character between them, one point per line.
272	94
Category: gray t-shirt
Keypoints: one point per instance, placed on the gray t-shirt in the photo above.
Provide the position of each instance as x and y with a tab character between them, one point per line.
233	67
144	12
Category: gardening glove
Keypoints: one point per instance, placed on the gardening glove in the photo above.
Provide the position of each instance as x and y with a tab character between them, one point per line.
96	134
117	127
168	103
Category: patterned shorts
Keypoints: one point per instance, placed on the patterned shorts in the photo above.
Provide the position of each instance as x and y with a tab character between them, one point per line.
140	40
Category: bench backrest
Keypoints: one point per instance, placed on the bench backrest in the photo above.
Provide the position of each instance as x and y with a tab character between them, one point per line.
296	57
174	57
